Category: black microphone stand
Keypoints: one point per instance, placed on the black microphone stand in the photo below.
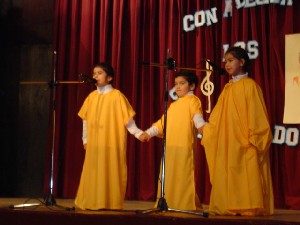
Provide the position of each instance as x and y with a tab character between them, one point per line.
162	205
49	199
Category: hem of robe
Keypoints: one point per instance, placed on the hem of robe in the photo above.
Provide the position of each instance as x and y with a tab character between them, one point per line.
98	207
242	212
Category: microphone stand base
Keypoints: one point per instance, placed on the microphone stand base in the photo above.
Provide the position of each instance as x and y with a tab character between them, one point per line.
49	200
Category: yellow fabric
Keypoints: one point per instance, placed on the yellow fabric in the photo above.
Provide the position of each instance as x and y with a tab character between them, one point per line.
236	141
179	161
104	175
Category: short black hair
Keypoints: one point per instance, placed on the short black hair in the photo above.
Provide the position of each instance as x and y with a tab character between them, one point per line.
240	53
189	76
109	70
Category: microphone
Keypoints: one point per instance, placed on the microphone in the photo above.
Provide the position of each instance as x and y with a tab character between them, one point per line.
216	68
87	79
170	63
173	94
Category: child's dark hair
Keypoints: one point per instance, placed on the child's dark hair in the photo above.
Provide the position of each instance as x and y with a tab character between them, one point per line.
189	76
240	53
109	70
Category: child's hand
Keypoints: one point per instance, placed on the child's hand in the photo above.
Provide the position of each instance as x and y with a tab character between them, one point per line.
200	132
144	137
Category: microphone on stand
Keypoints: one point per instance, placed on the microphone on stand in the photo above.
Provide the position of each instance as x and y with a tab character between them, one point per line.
218	69
87	79
170	63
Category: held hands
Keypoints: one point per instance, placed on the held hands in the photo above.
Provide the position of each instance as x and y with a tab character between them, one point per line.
200	129
200	132
144	137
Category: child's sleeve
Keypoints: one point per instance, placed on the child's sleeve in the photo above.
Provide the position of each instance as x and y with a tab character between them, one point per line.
196	112
127	110
133	129
157	128
152	131
84	132
84	108
198	120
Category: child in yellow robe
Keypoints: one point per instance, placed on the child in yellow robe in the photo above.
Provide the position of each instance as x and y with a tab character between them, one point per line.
183	116
106	114
236	141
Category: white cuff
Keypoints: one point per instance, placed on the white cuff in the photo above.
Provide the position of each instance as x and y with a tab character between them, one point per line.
132	128
198	120
152	131
84	132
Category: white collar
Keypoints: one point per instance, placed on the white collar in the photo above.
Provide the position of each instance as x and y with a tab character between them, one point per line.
173	95
190	93
238	77
105	89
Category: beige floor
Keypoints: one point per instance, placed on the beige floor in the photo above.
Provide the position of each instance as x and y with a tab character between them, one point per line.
129	205
132	206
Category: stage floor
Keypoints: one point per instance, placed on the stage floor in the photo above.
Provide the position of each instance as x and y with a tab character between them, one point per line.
132	214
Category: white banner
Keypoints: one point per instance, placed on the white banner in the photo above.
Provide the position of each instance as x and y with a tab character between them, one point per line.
292	79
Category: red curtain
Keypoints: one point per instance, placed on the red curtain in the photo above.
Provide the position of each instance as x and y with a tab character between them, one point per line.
130	32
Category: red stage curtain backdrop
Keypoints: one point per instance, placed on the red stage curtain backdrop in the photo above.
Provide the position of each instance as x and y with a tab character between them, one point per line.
130	32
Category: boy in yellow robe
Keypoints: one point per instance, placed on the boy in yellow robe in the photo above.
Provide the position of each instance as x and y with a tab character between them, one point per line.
183	116
236	141
106	114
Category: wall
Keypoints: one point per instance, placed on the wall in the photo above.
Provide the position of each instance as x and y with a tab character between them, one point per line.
26	55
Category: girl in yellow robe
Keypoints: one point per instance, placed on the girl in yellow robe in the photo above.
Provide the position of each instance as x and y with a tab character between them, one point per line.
236	140
183	116
106	113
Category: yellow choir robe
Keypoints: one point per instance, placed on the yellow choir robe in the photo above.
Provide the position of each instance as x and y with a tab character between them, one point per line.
179	189
236	142
104	174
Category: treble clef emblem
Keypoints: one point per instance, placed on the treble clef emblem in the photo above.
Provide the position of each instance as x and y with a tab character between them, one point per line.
206	86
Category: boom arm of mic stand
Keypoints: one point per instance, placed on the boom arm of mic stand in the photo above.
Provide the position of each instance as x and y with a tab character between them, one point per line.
52	82
175	68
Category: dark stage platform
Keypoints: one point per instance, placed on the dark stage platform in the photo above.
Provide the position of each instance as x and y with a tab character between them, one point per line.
131	215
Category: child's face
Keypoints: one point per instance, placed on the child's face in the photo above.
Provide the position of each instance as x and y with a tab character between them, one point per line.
101	77
233	65
182	86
